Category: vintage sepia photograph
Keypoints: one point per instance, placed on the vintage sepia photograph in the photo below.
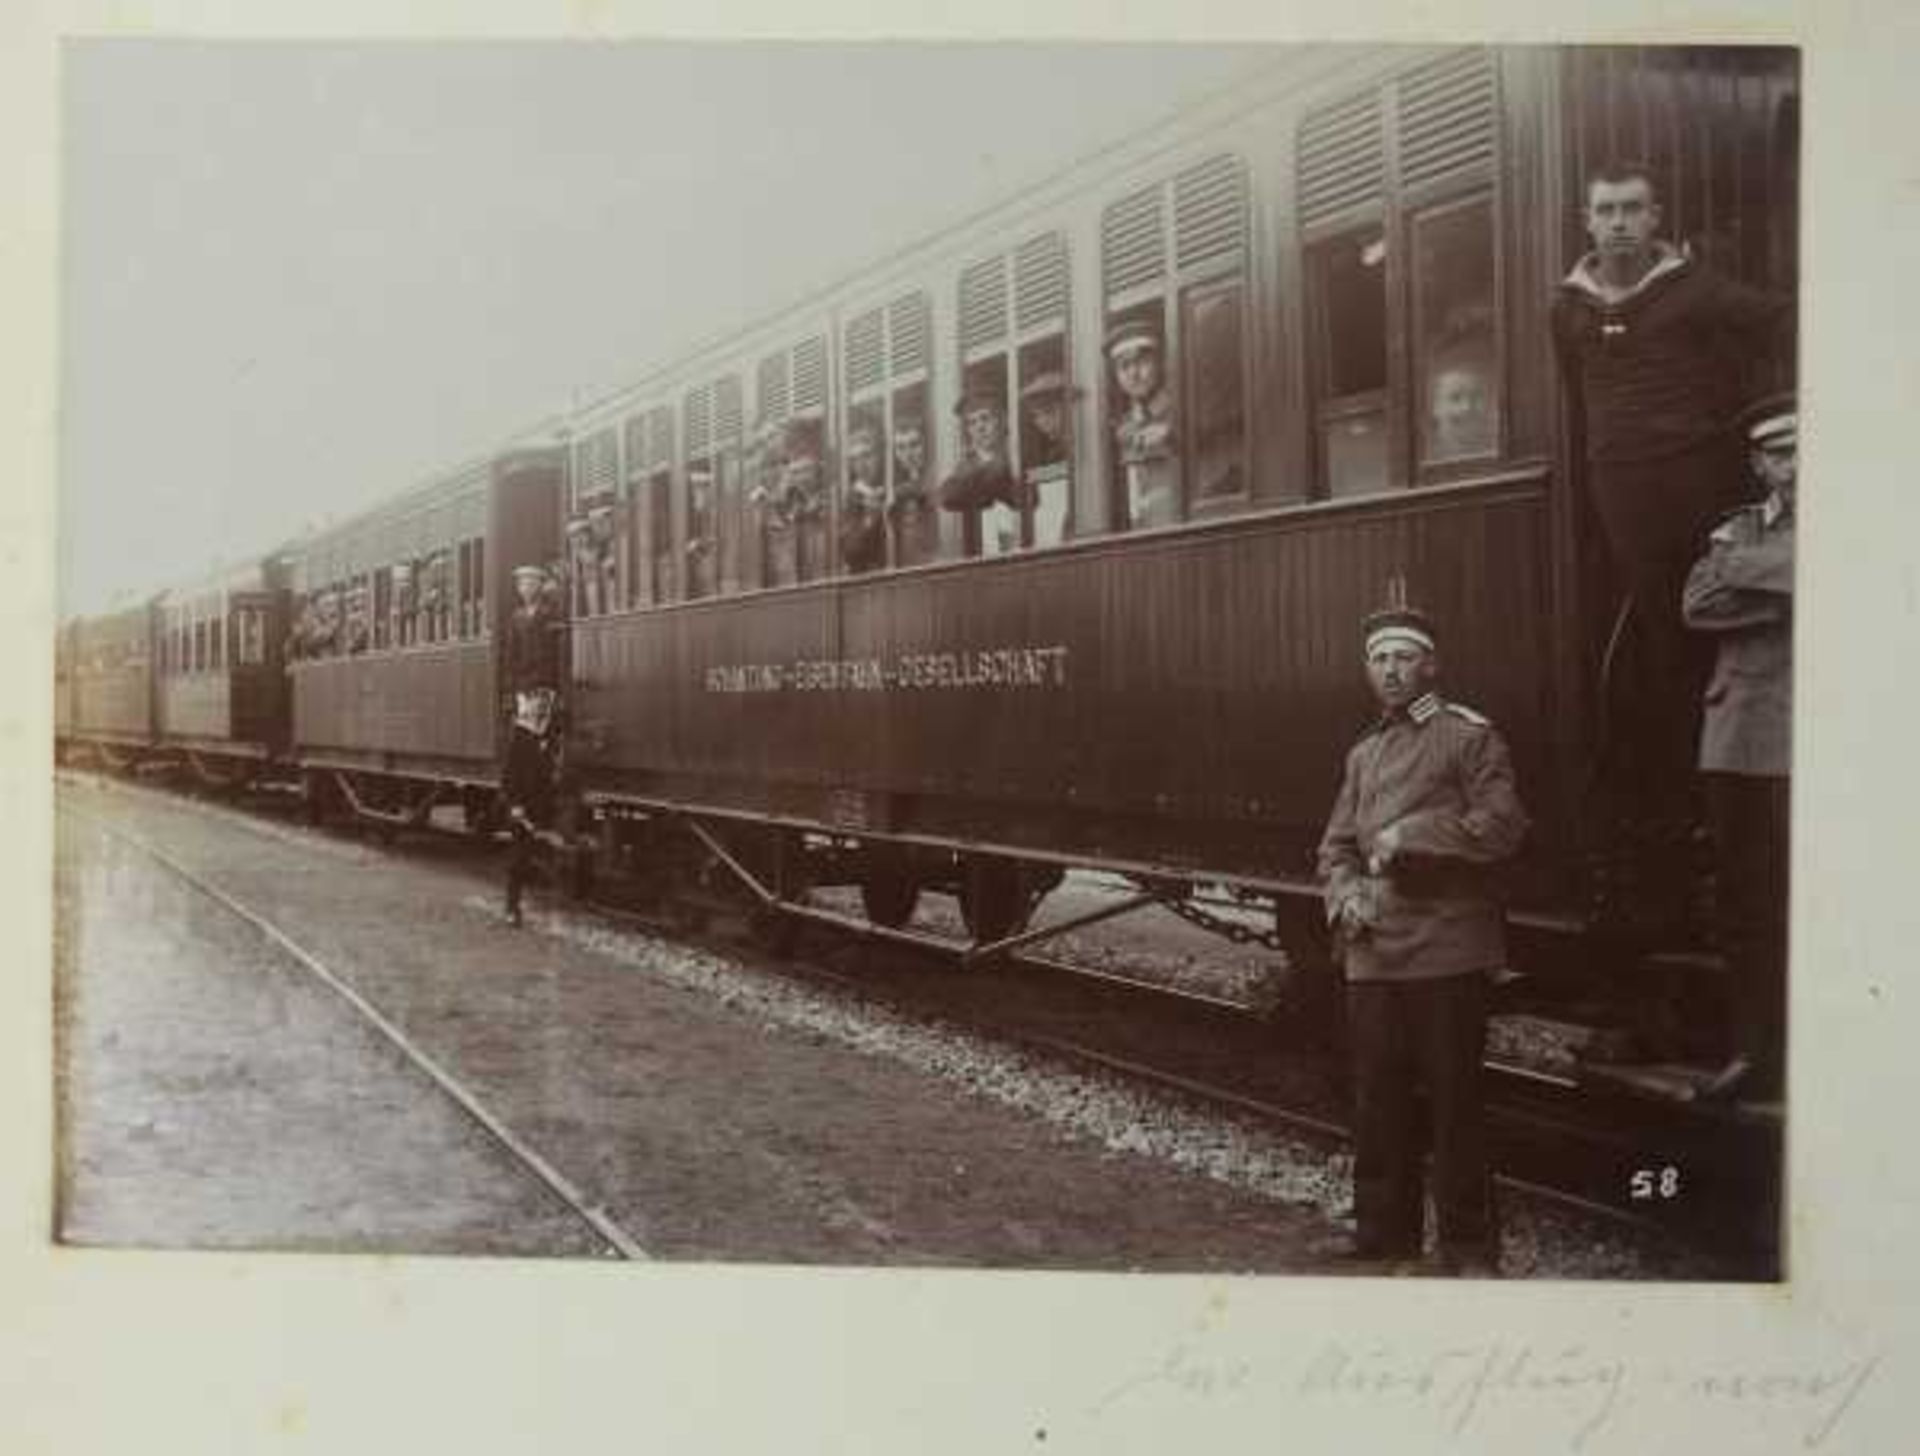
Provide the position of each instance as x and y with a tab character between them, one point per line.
1022	656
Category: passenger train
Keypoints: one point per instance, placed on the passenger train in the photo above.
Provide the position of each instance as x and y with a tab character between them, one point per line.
804	650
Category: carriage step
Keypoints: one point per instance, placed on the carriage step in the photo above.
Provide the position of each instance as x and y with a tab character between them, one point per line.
1556	1048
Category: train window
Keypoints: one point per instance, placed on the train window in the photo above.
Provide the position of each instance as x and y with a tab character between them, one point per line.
660	533
1174	268
1046	439
1456	346
698	561
462	590
252	623
1145	460
887	510
983	484
729	409
1348	284
863	498
787	511
983	489
359	615
1215	402
590	525
406	602
1396	203
477	586
434	594
382	608
912	514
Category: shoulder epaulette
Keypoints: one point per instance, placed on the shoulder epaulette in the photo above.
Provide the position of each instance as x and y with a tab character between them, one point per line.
1466	714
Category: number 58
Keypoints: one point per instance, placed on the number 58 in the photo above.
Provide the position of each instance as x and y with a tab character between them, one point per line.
1647	1183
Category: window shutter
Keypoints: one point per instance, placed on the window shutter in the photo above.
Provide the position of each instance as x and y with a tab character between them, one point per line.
1447	113
599	462
636	433
699	421
1040	278
727	410
1342	160
910	323
810	376
660	429
1133	240
866	363
983	304
1210	212
774	396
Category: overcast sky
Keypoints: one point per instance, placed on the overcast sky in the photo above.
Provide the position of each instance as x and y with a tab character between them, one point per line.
300	277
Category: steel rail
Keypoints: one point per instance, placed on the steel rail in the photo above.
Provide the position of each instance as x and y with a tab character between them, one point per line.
518	1148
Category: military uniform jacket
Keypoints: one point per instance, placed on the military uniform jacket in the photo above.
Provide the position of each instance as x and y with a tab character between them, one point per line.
1742	591
1440	773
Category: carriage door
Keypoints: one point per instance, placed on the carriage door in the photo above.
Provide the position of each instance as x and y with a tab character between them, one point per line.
525	506
259	697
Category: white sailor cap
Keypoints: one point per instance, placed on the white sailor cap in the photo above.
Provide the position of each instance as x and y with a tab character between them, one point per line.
1774	430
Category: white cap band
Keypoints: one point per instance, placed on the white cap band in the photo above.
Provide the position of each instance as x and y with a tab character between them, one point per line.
1397	632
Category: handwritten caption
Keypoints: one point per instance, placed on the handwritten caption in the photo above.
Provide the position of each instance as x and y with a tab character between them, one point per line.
1584	1389
986	667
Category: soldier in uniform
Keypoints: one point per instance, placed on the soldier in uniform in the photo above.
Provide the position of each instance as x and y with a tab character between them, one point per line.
1143	431
1426	816
1741	592
532	671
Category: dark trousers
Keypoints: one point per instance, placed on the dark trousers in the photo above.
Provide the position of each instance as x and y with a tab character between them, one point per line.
1750	830
1408	1037
1656	515
527	787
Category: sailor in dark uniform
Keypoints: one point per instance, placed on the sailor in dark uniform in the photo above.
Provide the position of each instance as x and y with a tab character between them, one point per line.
1741	592
532	672
1426	816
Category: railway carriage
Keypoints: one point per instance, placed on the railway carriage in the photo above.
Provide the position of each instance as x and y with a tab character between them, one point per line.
222	686
112	713
396	621
1137	661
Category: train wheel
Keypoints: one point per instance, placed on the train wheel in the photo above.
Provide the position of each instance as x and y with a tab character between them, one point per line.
994	899
317	793
889	892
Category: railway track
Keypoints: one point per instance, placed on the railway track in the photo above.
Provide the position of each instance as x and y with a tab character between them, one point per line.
1694	1178
619	1241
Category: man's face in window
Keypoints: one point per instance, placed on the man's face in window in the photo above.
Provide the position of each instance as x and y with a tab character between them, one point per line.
1777	467
909	454
1138	371
863	464
983	430
1049	419
1622	217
